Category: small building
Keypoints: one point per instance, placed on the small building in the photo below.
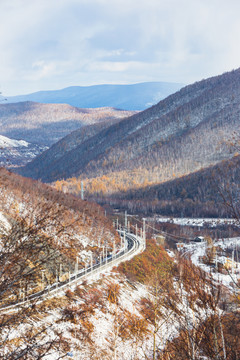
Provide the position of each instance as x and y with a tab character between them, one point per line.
160	239
180	246
199	239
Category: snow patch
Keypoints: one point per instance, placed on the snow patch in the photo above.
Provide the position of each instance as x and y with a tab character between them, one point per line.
212	222
6	142
4	224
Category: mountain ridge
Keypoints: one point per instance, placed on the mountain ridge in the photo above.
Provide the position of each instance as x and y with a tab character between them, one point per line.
44	124
162	141
126	97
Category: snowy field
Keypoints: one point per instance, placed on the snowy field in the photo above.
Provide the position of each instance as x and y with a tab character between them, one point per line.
198	250
212	222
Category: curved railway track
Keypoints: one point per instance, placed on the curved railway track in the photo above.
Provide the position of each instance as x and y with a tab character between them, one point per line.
134	245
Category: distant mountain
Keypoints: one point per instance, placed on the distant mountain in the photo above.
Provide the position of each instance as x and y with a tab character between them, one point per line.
181	134
44	124
126	97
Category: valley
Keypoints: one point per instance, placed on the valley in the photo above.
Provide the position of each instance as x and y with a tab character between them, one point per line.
166	159
100	254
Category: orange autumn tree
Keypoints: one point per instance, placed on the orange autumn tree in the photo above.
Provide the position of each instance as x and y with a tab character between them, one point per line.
142	267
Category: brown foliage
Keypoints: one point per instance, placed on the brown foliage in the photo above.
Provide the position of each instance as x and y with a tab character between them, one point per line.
142	267
113	292
210	345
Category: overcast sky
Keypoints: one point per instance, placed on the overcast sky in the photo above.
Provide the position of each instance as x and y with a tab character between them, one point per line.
52	44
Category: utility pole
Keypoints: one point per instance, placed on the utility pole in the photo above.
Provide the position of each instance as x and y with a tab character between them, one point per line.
126	220
117	223
103	253
114	250
20	290
48	285
76	265
144	233
82	191
236	249
43	278
57	277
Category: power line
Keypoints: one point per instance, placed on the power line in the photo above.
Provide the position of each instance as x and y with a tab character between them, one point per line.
164	232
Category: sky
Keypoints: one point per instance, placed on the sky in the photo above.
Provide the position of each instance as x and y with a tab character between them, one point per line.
53	44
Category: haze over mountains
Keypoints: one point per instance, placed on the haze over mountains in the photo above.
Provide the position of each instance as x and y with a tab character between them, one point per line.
181	134
125	97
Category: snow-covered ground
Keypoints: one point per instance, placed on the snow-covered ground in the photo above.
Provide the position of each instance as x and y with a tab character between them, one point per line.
198	250
17	152
4	224
6	142
212	222
105	320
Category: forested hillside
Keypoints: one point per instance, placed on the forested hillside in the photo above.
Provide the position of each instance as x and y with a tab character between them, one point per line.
69	143
44	124
186	132
50	231
211	192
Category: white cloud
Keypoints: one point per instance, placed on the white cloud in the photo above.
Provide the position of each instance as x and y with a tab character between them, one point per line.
113	66
42	69
56	43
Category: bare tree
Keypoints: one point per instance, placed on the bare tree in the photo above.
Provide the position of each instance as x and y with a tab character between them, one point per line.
29	248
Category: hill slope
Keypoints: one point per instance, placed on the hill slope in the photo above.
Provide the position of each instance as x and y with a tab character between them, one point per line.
127	97
179	135
17	152
46	230
210	192
48	159
44	124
